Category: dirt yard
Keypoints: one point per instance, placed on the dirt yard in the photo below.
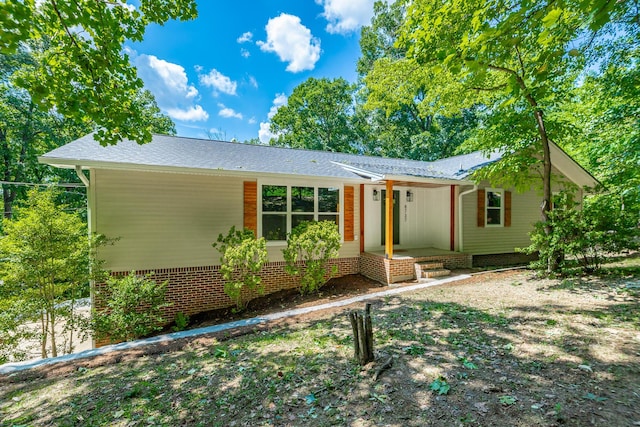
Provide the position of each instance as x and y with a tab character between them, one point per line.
499	349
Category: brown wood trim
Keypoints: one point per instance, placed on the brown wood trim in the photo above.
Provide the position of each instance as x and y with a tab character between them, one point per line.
480	213
361	210
507	208
251	206
349	231
452	219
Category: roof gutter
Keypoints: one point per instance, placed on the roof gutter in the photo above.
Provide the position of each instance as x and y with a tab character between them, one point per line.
460	221
362	172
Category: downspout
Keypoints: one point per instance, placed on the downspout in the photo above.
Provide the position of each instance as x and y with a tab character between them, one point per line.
92	284
460	221
82	176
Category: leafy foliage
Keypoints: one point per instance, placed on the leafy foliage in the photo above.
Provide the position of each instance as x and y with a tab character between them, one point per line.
242	258
440	386
132	307
46	260
27	131
84	72
310	246
399	98
181	322
317	116
601	227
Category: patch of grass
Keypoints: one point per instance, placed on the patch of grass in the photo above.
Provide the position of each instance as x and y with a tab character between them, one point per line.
304	374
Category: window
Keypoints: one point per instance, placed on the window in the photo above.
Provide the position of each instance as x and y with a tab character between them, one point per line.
284	207
494	207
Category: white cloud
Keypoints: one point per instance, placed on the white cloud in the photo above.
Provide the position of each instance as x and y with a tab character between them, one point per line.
192	114
245	53
346	16
265	134
245	37
292	42
228	113
253	82
170	85
252	121
219	82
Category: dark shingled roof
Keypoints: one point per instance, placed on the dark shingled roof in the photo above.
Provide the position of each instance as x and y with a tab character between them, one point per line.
171	152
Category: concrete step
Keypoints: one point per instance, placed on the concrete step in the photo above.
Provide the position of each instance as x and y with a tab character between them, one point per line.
429	265
431	273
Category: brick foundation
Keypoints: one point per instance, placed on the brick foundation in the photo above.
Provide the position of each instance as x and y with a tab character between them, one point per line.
401	269
194	290
503	259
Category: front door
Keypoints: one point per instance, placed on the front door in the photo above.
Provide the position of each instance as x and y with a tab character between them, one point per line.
396	217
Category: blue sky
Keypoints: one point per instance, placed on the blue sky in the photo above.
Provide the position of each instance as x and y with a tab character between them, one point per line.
224	74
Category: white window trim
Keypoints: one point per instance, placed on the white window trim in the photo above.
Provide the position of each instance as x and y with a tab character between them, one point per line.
486	207
289	212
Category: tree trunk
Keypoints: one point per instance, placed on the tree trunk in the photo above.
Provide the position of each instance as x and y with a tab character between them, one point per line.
552	261
362	335
43	335
8	196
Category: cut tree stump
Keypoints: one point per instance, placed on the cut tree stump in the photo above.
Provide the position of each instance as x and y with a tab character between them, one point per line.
362	335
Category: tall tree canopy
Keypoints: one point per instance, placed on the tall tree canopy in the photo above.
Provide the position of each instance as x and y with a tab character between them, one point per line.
84	72
27	131
519	58
318	116
399	97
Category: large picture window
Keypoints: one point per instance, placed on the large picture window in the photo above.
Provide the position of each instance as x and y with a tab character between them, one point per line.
284	207
494	207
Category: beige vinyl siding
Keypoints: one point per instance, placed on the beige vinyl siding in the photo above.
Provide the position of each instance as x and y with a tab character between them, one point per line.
163	220
525	211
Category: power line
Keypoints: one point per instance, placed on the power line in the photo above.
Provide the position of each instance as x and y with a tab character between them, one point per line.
35	184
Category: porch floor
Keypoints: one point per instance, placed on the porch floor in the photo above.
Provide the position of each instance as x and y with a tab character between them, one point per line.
416	253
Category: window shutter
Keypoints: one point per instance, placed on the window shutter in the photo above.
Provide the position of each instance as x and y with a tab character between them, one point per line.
481	202
349	232
507	208
251	206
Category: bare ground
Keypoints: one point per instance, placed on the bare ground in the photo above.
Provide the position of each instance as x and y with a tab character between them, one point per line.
500	349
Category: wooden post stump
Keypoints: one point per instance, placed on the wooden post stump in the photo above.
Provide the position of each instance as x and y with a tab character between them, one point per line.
362	335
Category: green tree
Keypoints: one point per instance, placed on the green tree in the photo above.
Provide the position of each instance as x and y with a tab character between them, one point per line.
85	73
27	132
317	116
242	258
398	98
310	246
606	114
46	266
517	58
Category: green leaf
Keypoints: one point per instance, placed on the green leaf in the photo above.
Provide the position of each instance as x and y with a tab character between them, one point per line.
552	17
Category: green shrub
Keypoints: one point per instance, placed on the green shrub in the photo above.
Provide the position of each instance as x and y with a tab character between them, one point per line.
241	257
601	227
181	322
310	246
132	308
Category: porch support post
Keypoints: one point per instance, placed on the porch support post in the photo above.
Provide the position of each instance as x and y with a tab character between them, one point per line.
388	227
361	210
452	219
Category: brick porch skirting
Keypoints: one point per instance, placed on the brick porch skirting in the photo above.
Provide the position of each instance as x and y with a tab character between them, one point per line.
401	269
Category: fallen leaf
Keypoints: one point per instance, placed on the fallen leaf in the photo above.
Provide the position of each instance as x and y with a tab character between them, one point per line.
481	407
